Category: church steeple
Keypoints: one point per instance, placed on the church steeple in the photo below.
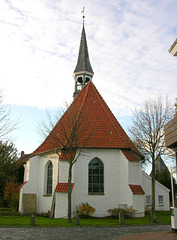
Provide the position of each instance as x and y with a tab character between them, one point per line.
83	71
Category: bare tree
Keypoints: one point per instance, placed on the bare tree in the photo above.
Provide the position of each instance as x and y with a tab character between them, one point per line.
147	133
6	124
67	135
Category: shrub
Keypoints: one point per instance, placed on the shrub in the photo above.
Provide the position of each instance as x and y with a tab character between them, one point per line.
127	212
114	212
11	194
147	210
8	212
85	209
44	214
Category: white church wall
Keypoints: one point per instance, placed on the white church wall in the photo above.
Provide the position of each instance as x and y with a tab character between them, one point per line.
161	194
44	199
138	205
125	192
61	209
31	186
116	189
20	207
135	178
63	171
26	171
134	173
37	181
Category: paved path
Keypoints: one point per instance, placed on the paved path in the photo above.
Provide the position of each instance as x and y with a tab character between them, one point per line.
151	236
82	233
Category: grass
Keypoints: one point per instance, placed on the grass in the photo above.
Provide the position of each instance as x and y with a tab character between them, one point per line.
162	218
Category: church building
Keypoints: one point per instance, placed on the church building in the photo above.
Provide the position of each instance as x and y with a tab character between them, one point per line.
107	171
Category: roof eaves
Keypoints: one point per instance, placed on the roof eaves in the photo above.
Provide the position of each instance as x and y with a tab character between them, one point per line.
136	189
45	152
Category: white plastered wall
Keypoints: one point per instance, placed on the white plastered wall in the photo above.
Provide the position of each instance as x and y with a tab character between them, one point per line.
160	190
36	170
134	173
138	205
135	178
61	209
116	188
118	174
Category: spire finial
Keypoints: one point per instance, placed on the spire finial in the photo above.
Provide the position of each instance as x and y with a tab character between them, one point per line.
83	11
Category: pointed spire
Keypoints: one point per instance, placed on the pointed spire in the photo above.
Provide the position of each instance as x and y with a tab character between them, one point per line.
83	71
83	62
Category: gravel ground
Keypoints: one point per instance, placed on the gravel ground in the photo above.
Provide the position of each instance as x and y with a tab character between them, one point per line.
88	233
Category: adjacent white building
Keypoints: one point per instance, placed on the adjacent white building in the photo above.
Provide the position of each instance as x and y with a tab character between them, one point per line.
161	194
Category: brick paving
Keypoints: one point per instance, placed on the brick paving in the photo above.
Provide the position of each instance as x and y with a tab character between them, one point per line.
88	233
151	236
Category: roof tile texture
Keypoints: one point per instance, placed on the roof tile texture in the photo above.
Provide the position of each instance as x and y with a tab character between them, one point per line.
63	187
130	155
136	189
98	126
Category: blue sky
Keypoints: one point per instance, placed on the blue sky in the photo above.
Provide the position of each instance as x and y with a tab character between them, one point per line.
128	42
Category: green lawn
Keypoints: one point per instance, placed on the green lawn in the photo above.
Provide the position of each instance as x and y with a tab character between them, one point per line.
162	218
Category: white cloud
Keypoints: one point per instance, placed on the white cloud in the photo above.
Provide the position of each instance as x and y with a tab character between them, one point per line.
128	44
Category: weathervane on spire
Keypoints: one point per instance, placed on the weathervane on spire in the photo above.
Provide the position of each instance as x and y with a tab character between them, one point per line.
83	11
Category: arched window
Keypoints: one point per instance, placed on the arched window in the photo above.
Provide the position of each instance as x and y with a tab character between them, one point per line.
49	178
96	176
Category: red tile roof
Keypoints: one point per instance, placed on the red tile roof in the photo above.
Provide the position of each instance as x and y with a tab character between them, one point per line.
98	126
63	187
66	156
130	155
136	189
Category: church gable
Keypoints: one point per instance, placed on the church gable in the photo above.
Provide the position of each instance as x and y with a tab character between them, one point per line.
98	123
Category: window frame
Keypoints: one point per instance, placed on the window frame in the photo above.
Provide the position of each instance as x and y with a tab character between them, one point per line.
148	200
96	177
49	179
161	200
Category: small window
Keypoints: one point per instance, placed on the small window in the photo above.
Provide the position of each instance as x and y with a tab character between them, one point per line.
49	178
79	79
160	199
148	200
96	176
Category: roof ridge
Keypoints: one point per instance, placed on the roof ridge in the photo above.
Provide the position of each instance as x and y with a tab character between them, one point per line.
86	86
80	109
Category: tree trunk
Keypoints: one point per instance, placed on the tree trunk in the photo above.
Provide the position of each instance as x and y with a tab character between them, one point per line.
154	220
69	192
53	206
52	213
